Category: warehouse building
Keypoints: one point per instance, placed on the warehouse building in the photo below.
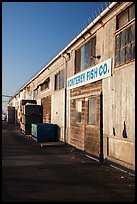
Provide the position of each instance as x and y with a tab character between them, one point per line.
88	89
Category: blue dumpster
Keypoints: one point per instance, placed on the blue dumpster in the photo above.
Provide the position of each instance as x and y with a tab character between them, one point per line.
44	132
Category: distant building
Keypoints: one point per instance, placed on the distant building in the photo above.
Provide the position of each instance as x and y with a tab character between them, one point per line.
88	89
4	117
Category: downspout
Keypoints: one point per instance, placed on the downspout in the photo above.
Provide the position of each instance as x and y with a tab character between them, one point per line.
66	57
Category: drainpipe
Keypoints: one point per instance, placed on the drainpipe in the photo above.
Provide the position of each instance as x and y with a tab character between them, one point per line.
66	57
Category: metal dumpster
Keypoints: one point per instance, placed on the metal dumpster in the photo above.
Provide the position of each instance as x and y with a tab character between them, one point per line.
44	132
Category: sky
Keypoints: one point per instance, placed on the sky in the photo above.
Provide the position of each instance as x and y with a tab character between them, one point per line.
33	33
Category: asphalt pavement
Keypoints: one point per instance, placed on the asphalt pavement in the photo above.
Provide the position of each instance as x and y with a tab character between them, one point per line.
56	172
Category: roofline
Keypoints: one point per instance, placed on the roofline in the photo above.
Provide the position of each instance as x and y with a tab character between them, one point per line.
69	45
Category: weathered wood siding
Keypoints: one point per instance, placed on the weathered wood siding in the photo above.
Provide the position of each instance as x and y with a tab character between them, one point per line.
119	115
92	132
77	129
46	103
83	136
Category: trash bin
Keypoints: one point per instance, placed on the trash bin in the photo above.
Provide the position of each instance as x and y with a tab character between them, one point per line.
44	132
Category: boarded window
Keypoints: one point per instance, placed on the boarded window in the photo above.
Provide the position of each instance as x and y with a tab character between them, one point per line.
78	111
125	39
92	112
84	55
59	80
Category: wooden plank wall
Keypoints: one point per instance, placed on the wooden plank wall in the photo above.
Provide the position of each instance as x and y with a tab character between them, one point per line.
119	112
80	133
46	103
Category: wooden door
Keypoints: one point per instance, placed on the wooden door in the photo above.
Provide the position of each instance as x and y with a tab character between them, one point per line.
93	141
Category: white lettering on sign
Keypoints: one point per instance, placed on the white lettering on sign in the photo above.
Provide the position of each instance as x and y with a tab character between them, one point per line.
99	71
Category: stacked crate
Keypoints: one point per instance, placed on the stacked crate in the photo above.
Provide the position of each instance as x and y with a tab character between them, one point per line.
11	115
31	113
22	103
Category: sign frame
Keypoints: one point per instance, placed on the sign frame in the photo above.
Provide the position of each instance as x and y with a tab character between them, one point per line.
92	74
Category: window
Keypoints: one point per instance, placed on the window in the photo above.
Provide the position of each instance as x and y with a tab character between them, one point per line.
45	84
126	16
125	39
36	92
84	55
78	111
92	112
59	80
28	88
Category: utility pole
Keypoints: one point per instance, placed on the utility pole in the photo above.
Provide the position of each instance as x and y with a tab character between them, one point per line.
6	96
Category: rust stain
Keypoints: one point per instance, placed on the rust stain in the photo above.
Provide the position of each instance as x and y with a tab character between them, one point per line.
84	37
101	23
89	32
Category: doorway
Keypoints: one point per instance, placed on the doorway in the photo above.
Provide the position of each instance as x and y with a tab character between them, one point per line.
93	137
